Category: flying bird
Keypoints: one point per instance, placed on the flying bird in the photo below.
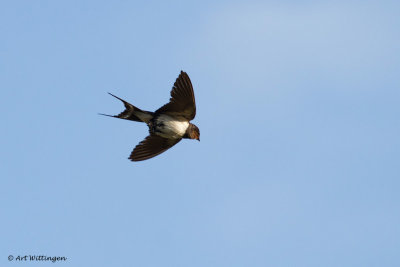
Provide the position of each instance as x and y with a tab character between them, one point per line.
168	124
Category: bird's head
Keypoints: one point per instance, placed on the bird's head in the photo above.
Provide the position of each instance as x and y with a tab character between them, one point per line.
194	132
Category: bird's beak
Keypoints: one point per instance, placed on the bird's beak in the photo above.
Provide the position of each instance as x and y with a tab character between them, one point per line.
198	139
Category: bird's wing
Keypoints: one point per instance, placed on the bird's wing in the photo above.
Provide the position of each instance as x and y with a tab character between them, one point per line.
182	102
152	146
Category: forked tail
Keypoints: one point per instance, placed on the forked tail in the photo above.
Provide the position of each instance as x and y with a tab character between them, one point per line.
132	113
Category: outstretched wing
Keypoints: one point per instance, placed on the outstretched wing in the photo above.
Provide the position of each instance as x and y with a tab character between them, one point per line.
182	102
152	146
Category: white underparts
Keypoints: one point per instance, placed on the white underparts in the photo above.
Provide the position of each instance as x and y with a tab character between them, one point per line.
170	127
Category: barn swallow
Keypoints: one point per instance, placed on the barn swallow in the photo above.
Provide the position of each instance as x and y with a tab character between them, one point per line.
168	124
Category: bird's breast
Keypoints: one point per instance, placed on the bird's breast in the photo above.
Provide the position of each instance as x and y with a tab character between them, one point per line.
169	127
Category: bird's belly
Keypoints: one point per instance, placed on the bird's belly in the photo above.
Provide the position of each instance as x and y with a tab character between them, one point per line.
169	127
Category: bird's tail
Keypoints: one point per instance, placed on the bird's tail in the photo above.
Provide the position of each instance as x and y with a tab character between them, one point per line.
132	113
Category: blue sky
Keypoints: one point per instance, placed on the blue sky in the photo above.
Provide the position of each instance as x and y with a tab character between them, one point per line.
298	107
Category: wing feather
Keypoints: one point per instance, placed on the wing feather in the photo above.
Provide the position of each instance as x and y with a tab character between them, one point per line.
182	102
152	146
